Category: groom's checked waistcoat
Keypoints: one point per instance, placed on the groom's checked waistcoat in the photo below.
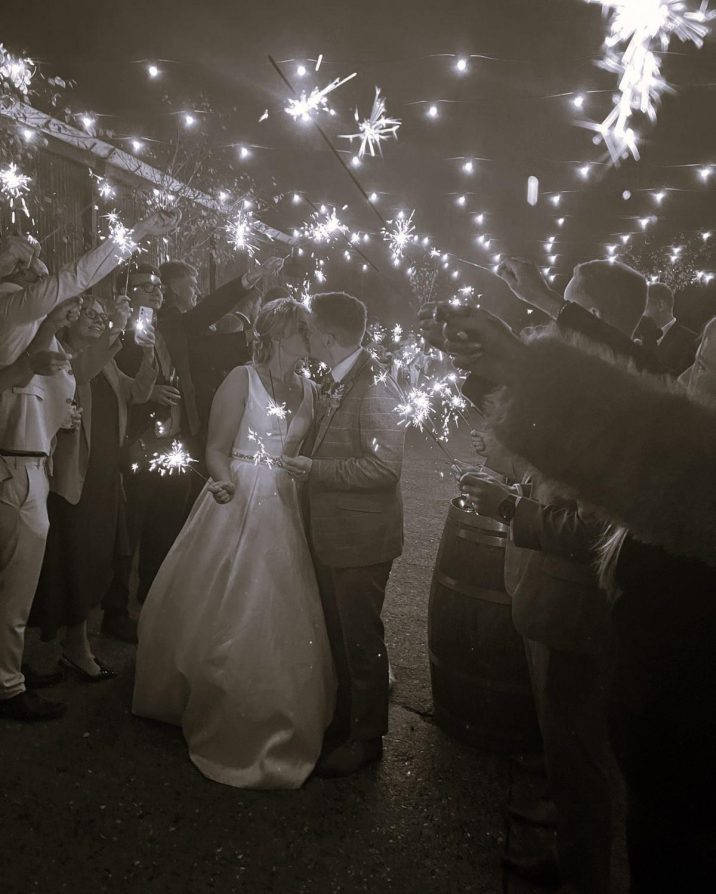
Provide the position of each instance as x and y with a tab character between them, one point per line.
354	502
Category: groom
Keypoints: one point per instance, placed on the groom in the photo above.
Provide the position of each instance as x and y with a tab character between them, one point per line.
352	474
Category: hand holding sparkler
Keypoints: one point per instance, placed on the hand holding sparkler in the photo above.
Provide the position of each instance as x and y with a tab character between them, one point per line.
64	314
166	395
484	491
158	224
527	283
19	251
480	342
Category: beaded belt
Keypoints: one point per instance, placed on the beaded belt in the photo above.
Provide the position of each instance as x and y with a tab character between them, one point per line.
258	459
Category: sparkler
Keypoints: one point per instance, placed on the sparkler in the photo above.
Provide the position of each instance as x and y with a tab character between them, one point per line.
400	235
417	411
14	185
324	227
373	130
636	29
18	72
121	236
104	187
242	234
176	459
262	455
316	101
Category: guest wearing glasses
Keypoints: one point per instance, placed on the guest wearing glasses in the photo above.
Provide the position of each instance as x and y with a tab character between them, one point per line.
85	502
159	506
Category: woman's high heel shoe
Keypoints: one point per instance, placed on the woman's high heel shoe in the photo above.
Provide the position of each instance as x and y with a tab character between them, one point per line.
105	673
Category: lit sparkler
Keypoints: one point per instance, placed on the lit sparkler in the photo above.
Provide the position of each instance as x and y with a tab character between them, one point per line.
373	130
14	185
399	235
17	71
262	456
121	236
105	190
176	459
242	234
324	227
636	29
316	101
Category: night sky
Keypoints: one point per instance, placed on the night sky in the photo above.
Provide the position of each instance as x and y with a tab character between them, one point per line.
503	110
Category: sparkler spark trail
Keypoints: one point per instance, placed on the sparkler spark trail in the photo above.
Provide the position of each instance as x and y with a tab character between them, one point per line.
104	187
373	130
278	410
14	185
324	227
242	234
176	459
400	235
262	455
637	29
316	101
18	72
121	235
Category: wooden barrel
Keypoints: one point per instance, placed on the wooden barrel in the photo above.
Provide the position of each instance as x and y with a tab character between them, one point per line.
480	682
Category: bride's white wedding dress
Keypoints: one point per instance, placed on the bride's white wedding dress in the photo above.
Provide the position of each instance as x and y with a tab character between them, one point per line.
232	639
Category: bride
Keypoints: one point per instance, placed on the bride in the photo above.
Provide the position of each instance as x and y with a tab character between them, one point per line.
232	639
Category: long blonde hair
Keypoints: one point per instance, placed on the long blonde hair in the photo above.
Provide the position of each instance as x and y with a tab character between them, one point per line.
274	320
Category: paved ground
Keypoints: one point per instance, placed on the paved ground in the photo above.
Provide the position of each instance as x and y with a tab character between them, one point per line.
103	802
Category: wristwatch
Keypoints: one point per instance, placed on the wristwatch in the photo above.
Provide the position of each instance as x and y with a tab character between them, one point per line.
506	509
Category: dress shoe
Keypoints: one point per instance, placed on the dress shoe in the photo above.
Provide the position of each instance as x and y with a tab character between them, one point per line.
30	707
349	758
39	680
105	673
536	813
542	870
120	627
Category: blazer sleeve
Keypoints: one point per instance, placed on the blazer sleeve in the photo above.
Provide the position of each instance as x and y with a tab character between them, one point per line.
213	307
379	463
559	531
38	299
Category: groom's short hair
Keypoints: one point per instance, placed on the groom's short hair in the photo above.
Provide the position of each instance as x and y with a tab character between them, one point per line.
340	314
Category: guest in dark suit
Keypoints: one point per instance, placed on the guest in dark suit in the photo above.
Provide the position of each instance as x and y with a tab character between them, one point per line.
588	420
355	523
85	501
673	343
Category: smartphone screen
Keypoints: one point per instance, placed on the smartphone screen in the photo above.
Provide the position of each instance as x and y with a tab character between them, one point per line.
144	319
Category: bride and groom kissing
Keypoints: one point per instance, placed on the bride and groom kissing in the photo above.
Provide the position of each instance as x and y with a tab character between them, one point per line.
262	634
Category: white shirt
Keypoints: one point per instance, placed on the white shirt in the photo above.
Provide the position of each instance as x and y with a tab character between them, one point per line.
341	370
666	328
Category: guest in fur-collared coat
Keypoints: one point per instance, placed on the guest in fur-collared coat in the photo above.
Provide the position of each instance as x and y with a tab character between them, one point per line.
642	451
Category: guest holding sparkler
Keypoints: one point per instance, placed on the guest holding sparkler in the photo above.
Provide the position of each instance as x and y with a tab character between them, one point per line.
30	416
85	502
589	421
160	506
232	640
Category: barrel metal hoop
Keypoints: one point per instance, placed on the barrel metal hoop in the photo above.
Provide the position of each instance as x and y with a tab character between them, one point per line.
485	682
465	589
475	536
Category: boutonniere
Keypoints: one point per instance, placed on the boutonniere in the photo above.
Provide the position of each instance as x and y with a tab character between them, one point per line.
335	396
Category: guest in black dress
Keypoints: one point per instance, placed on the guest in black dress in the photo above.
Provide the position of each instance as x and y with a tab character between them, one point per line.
86	502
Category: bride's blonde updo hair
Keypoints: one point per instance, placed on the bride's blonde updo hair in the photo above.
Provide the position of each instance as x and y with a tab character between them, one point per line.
275	320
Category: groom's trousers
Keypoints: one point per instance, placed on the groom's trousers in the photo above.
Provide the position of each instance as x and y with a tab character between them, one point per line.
352	602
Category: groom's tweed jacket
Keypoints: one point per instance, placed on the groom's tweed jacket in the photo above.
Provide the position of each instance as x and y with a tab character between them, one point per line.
354	503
